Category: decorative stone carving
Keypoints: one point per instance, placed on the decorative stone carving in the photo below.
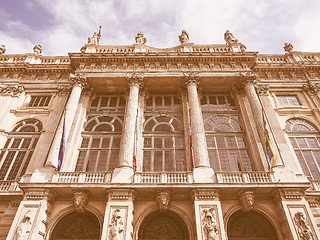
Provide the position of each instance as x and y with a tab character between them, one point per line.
80	200
37	49
79	79
248	78
192	78
209	224
229	38
243	48
24	227
140	39
205	194
116	225
303	229
163	200
288	47
184	37
95	39
262	89
13	90
64	89
246	200
2	49
311	88
135	79
34	194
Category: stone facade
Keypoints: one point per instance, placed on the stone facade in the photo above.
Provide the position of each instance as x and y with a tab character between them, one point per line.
134	142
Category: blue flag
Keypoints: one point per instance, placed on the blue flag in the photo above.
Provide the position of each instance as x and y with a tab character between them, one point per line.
62	144
270	152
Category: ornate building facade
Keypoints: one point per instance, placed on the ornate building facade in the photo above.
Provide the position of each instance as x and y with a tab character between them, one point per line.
134	142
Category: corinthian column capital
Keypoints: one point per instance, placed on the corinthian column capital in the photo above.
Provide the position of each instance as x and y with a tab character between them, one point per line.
192	78
135	79
311	88
80	80
248	78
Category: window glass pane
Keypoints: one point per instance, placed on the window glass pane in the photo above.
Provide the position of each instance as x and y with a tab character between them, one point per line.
103	160
169	161
114	160
147	161
157	161
179	155
92	160
147	142
213	160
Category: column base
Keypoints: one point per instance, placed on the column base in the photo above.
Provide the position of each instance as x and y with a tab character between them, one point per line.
203	175
122	175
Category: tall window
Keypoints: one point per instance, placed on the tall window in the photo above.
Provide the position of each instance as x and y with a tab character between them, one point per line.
99	150
288	100
305	140
225	137
163	148
17	151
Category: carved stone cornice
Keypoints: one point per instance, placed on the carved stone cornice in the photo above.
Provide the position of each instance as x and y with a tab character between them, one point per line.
192	78
13	90
311	88
205	194
80	80
246	199
40	194
80	200
135	79
120	194
262	89
289	194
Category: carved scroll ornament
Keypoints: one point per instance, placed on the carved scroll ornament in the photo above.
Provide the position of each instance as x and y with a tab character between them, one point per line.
209	224
303	229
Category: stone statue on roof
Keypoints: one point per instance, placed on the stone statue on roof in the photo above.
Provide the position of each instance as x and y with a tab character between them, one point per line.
229	38
288	47
140	39
2	49
37	49
184	37
95	39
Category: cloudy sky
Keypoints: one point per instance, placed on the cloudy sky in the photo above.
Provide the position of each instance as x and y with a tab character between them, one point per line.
63	26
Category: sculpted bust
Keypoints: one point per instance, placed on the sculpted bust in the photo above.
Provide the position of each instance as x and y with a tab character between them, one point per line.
184	37
229	38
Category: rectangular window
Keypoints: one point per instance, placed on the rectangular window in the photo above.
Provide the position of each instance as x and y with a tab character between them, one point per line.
288	100
39	101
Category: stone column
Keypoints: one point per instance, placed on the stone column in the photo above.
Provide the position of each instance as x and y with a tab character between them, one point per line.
125	171
118	216
32	217
297	220
79	82
202	170
208	213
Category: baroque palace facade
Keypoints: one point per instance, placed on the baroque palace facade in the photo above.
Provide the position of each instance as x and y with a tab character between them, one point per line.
160	143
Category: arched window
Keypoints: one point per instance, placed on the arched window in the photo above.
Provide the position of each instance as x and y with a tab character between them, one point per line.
225	137
305	140
163	135
17	151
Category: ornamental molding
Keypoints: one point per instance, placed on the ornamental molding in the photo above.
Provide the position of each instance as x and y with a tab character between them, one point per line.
120	195
135	79
246	199
192	78
35	194
13	90
79	79
80	200
311	88
290	194
204	194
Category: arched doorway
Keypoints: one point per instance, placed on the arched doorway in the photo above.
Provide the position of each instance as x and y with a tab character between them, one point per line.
76	226
250	226
163	225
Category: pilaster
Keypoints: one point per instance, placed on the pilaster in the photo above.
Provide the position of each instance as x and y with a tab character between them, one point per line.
118	216
208	214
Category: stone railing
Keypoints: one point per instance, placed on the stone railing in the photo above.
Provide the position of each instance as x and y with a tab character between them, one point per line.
163	177
33	59
81	177
245	177
9	186
272	59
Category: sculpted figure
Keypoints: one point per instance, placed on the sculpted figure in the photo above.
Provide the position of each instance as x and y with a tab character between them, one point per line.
288	47
37	49
140	39
229	38
116	226
304	231
24	227
163	200
95	39
80	200
2	49
209	224
184	37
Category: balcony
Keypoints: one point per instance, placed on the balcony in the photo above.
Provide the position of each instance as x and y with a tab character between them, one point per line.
9	187
81	177
245	177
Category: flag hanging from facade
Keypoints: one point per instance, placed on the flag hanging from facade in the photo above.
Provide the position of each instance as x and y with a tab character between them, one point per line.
137	143
62	144
270	152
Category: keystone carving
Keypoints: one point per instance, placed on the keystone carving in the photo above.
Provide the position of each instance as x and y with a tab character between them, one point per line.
116	225
135	79
24	227
184	37
229	38
209	224
246	200
13	90
95	39
303	229
163	200
2	49
37	49
288	47
79	79
140	39
80	200
192	78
